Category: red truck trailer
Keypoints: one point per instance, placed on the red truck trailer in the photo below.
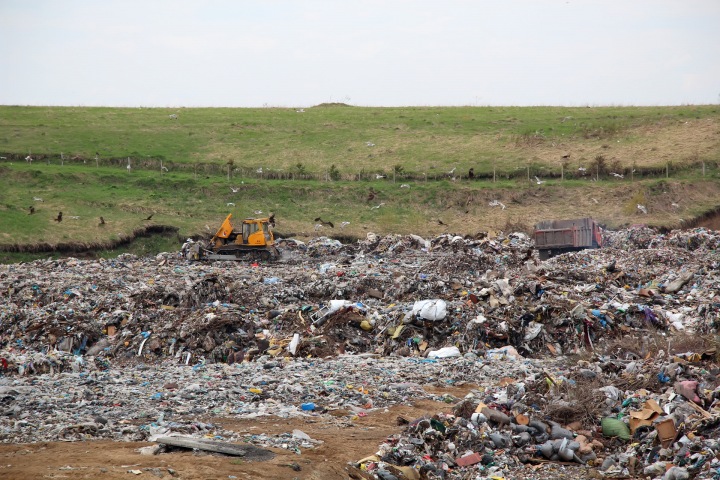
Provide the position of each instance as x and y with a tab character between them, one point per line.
553	237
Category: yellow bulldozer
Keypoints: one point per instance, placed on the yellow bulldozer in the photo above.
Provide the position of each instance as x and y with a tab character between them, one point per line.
253	241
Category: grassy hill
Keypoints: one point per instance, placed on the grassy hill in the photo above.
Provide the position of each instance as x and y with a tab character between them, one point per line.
325	160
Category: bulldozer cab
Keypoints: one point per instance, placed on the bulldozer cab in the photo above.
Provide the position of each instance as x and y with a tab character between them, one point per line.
255	231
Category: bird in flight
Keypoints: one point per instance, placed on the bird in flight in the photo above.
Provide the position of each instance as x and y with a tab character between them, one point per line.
377	206
149	217
616	175
230	204
323	222
642	208
378	176
344	224
538	181
497	203
234	190
404	185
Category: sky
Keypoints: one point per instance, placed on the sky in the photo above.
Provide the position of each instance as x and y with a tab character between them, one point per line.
300	53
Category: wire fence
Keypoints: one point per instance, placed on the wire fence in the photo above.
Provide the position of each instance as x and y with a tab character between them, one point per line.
533	173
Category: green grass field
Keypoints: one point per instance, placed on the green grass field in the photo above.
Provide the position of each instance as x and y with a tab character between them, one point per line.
323	162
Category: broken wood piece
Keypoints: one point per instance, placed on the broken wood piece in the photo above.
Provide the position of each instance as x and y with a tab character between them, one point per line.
206	445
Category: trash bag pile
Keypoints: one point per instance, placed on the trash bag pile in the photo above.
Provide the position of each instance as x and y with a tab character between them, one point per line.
585	360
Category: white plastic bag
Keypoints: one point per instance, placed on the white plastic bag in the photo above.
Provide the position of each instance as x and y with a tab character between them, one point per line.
430	309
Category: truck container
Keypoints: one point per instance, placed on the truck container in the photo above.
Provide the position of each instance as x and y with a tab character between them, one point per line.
553	237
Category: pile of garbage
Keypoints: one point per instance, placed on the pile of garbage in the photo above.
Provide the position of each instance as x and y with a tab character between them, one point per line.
585	359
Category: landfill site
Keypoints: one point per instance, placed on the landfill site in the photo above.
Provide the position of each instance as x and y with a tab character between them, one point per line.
394	357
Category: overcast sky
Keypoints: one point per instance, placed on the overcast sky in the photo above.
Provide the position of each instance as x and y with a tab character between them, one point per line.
298	53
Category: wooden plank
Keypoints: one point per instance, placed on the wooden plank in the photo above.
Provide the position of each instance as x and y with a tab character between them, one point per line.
202	444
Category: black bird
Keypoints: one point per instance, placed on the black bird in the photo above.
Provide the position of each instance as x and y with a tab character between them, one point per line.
370	196
320	220
440	222
102	221
149	217
271	219
611	268
59	217
32	210
471	173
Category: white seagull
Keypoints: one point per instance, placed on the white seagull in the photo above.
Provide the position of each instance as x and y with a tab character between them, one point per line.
259	170
452	171
538	181
258	212
497	203
234	190
379	176
344	224
377	206
404	185
642	208
38	199
617	175
230	204
369	144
